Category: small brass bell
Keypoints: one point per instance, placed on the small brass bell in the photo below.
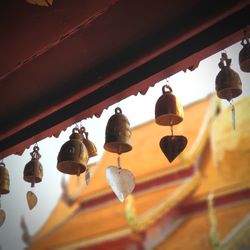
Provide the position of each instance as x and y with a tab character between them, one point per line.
168	110
117	136
4	179
244	55
73	156
92	151
33	170
228	83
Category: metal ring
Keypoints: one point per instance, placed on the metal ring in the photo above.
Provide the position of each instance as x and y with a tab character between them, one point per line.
76	130
118	110
245	41
82	130
36	148
166	86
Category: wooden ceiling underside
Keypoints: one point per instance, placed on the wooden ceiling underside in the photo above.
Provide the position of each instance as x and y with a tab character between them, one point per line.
63	63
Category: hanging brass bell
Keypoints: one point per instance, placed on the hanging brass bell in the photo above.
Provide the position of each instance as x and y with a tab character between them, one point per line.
168	110
244	55
91	148
73	156
33	170
4	179
117	135
228	83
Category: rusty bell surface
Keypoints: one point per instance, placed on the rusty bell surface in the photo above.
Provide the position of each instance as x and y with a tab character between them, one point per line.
168	110
33	170
4	179
73	156
118	133
244	55
228	83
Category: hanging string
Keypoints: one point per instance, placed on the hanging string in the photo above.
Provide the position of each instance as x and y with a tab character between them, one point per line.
35	153
78	175
76	126
119	162
87	176
35	156
172	132
233	114
168	84
81	124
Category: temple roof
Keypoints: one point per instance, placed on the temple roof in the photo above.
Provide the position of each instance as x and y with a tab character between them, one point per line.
161	187
198	227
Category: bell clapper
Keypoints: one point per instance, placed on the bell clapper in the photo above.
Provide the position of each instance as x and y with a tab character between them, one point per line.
233	114
78	176
87	176
90	146
2	215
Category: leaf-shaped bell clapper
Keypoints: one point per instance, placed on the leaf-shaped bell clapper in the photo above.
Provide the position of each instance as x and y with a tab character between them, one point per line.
228	83
173	145
244	55
73	156
4	179
33	170
92	151
121	181
168	110
117	136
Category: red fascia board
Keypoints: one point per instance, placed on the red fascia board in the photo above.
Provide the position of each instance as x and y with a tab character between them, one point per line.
146	73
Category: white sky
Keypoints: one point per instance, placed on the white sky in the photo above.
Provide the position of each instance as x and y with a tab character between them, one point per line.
188	87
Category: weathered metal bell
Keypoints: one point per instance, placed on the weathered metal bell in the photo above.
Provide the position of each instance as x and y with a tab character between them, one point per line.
228	83
33	170
73	156
4	179
244	55
92	151
117	136
168	110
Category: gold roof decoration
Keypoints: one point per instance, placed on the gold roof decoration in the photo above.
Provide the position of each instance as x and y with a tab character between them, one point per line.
190	156
145	220
230	148
45	3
